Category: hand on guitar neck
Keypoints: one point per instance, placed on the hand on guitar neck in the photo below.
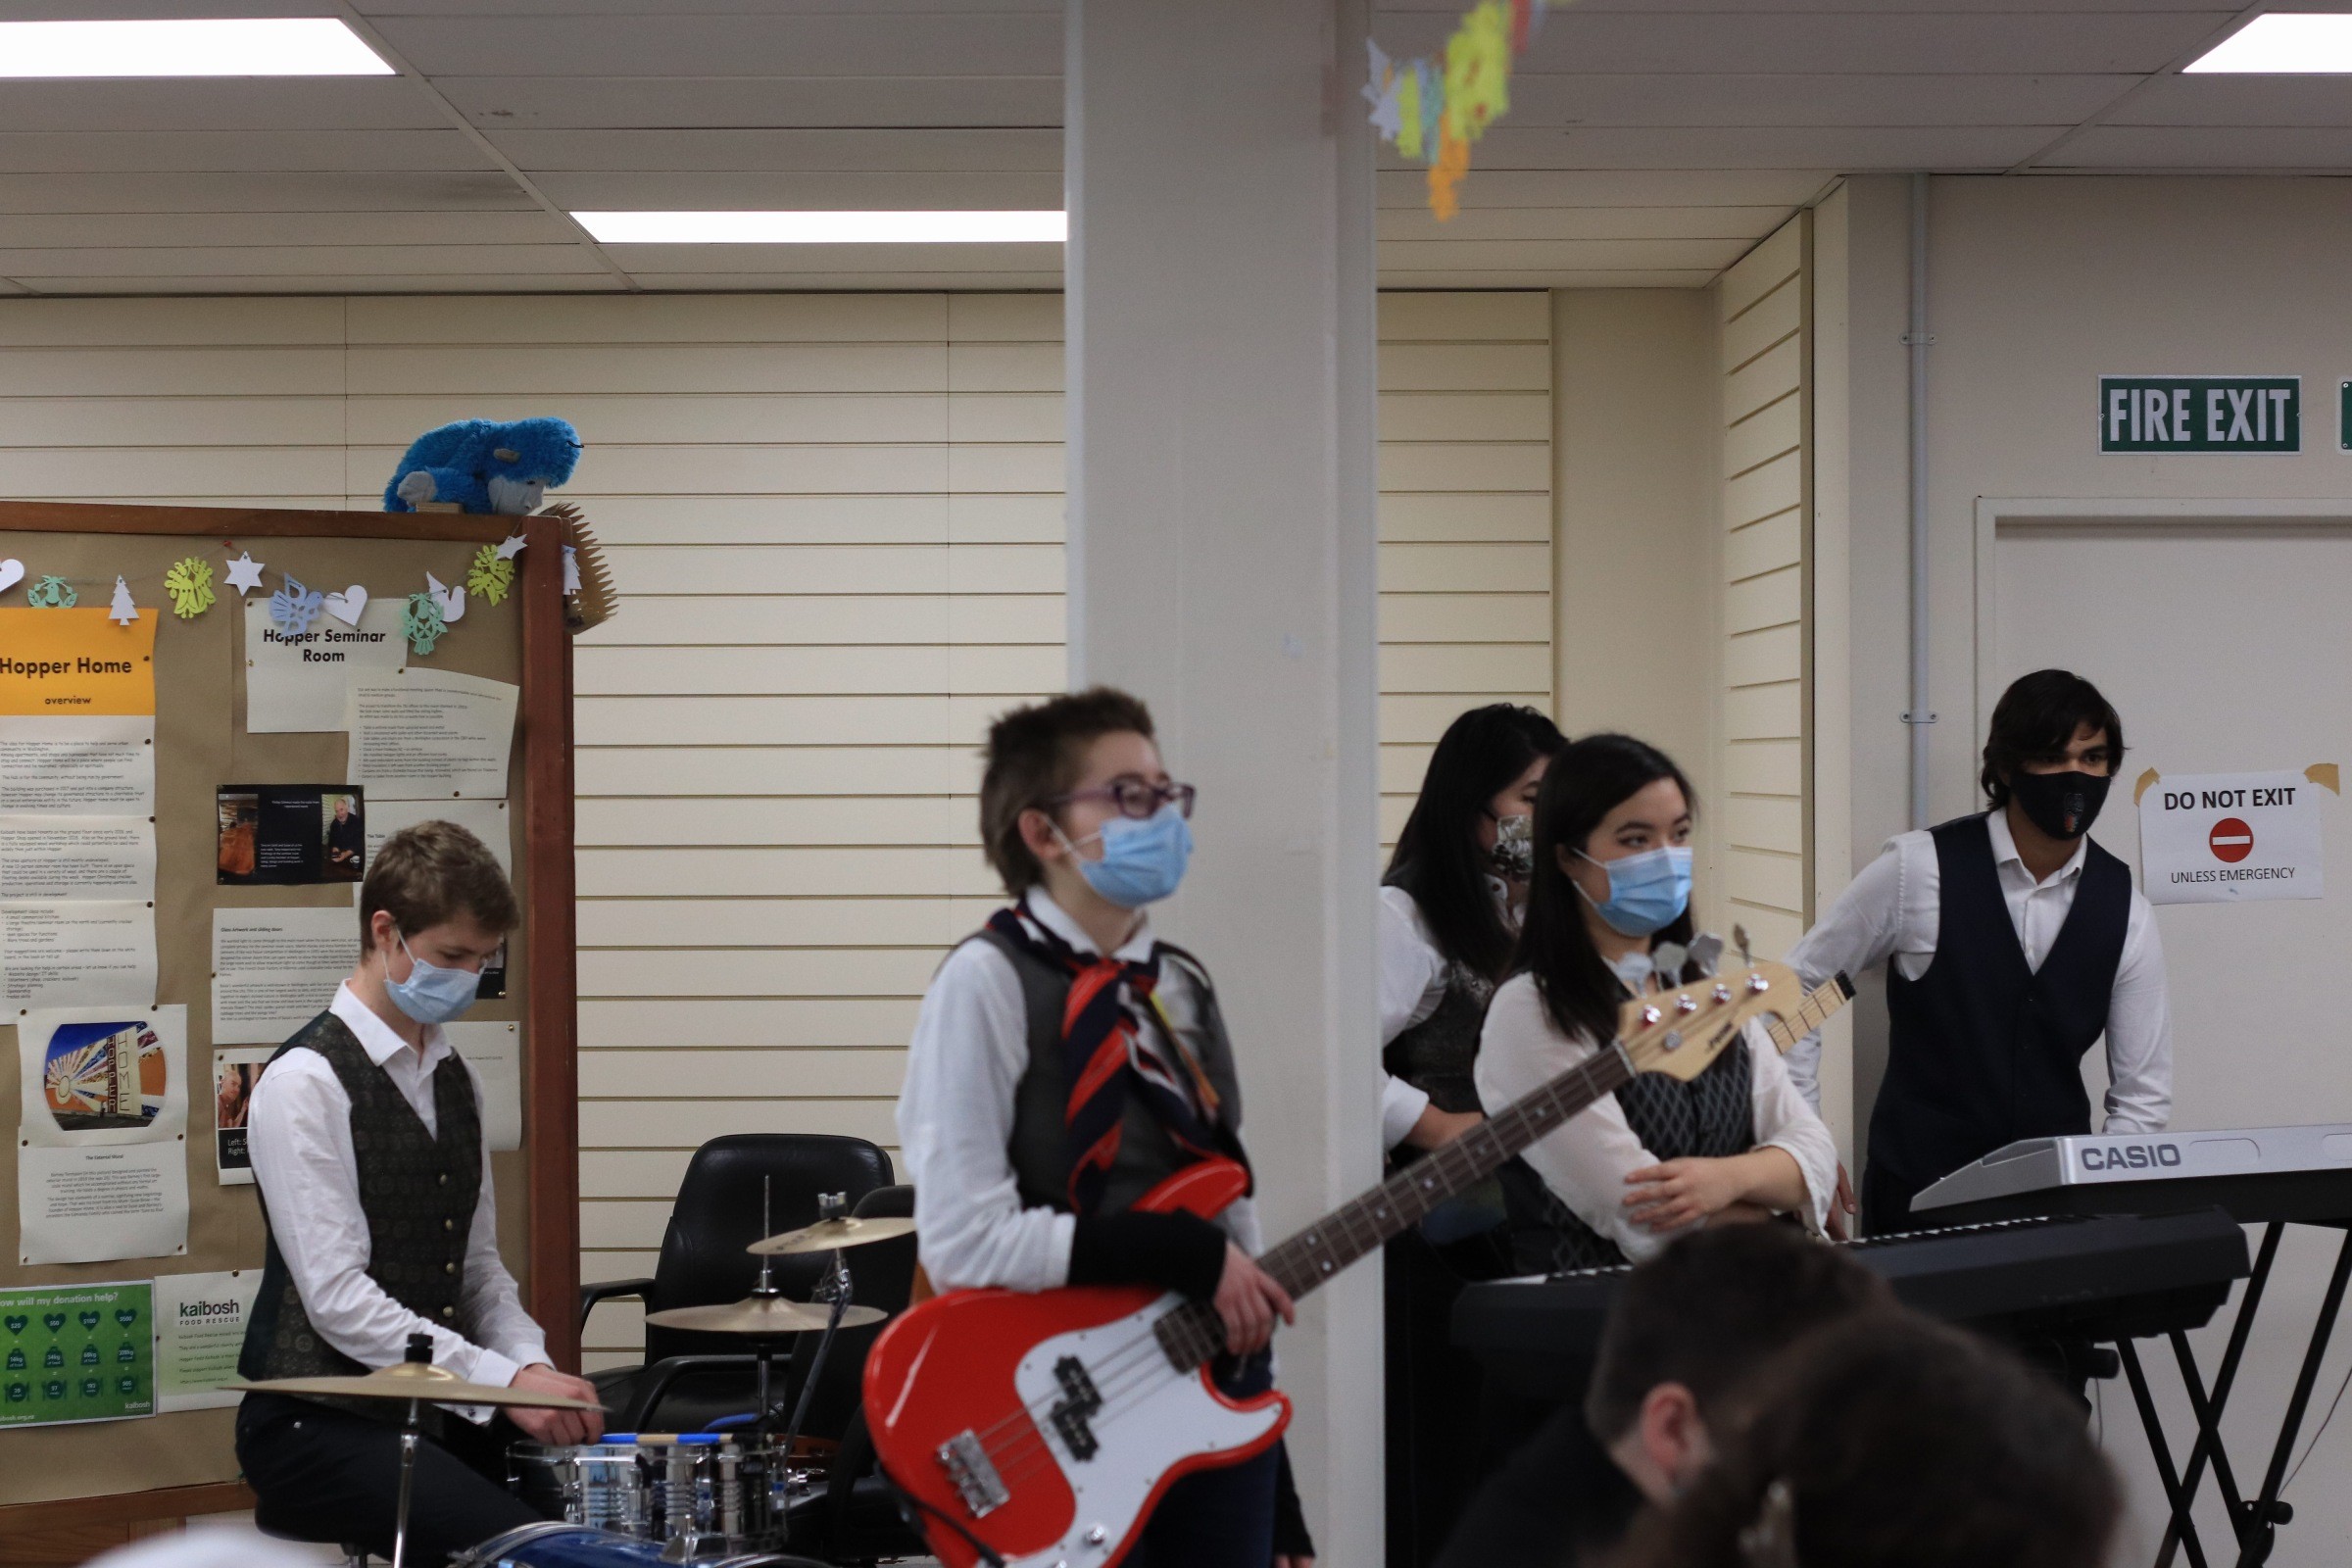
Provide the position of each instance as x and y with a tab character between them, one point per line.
1248	1301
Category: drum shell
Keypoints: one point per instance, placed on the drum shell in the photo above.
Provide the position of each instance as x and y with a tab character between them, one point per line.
567	1545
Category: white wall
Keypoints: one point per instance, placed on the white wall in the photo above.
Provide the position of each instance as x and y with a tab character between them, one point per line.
2037	287
835	521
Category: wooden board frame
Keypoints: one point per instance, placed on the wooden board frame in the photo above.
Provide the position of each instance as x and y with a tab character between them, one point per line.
550	971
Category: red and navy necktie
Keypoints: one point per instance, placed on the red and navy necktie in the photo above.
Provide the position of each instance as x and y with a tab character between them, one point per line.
1102	1063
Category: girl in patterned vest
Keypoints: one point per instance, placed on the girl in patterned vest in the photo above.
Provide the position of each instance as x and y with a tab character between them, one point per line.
1612	884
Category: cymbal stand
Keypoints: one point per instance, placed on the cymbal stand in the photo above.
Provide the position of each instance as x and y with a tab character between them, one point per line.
837	1289
764	1355
421	1349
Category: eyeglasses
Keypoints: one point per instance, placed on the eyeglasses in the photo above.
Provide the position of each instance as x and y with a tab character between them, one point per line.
1135	798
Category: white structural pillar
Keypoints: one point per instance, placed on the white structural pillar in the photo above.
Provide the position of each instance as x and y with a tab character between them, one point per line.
1222	380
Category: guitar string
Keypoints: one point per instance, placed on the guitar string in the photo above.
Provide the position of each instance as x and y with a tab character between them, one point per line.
1115	1381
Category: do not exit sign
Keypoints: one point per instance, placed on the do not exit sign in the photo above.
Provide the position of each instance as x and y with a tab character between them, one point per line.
2200	413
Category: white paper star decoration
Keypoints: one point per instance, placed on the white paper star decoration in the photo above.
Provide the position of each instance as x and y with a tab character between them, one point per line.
513	547
244	573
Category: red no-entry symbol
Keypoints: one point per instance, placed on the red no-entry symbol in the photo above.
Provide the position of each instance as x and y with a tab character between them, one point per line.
2232	840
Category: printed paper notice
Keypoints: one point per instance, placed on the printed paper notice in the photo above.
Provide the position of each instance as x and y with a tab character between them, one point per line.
101	1151
58	954
76	767
77	1352
297	682
484	819
428	734
2223	838
236	1074
275	970
64	662
198	1330
76	858
495	1051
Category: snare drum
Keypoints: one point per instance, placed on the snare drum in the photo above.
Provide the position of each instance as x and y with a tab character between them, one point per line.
565	1545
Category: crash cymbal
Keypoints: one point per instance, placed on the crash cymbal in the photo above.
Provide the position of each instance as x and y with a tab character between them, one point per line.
828	1234
757	1314
414	1380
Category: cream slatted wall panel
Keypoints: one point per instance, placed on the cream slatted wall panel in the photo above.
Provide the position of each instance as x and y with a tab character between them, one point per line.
1466	519
837	523
1765	702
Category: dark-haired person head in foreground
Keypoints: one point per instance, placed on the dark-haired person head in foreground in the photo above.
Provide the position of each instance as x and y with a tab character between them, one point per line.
1892	1443
2013	943
1687	1327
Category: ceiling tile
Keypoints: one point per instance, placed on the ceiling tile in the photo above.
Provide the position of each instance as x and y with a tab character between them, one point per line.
797	151
299	104
1848	148
234	151
725	189
662	42
2238	101
355	190
1861	100
2254	148
754	102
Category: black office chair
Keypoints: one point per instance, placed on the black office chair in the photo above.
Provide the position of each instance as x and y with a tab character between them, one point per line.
703	1263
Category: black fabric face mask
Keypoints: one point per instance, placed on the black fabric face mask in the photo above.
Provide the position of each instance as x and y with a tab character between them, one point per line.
2061	804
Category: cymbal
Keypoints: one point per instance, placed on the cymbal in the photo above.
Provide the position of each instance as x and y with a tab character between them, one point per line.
762	1314
828	1234
414	1380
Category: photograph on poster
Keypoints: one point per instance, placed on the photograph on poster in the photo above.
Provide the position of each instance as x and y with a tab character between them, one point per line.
104	1076
237	1073
290	835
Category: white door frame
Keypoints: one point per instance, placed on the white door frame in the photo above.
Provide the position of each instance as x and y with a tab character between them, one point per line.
2123	511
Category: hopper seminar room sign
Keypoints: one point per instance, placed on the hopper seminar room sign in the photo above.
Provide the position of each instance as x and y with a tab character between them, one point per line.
2203	413
2220	838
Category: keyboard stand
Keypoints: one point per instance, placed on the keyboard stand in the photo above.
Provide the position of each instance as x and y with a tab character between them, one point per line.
2254	1523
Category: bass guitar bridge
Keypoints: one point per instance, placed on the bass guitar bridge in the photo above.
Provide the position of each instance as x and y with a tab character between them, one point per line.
974	1474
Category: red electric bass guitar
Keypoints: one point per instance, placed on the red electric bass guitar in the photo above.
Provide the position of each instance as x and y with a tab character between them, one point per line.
1038	1429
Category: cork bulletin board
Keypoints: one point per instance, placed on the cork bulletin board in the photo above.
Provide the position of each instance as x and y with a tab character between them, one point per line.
200	742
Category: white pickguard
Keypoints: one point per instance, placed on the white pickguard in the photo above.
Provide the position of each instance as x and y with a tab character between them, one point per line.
1153	1417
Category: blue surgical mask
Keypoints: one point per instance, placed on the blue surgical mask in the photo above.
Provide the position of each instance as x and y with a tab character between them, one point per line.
1648	892
1142	861
431	994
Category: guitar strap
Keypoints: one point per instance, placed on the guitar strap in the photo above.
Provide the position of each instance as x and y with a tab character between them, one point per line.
1104	1064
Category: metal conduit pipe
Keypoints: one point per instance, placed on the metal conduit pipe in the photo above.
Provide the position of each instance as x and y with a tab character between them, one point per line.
1921	715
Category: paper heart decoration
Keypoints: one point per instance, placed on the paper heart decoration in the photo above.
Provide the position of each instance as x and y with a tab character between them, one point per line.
127	1316
16	1322
91	1320
12	572
53	1321
346	606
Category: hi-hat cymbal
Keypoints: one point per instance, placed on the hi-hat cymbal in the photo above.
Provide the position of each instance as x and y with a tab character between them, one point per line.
414	1380
828	1234
762	1314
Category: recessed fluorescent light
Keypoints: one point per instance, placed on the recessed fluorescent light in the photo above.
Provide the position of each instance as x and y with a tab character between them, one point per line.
826	228
2283	44
266	46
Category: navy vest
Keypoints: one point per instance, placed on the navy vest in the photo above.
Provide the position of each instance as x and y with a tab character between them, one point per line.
1984	1051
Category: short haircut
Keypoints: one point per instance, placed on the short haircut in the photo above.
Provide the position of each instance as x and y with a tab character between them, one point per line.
1713	1306
2036	719
432	873
1035	753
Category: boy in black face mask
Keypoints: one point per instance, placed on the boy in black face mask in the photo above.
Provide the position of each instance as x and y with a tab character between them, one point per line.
2013	943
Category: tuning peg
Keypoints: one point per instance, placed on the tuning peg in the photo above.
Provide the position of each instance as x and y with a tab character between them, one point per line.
1739	935
1706	952
1669	958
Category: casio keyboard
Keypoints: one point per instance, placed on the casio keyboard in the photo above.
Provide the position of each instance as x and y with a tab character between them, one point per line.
2266	1176
2096	1277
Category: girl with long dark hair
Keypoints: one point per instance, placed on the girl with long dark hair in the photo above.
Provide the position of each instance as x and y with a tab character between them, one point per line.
1611	884
1448	915
1449	918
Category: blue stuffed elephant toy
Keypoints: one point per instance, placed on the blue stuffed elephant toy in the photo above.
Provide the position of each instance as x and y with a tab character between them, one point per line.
485	466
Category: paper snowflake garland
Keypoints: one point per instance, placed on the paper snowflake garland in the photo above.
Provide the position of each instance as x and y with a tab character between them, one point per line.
123	612
421	622
295	607
244	573
490	576
52	593
190	584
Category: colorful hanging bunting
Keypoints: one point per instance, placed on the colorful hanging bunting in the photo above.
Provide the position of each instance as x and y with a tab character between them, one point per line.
190	584
1432	112
421	622
294	607
52	593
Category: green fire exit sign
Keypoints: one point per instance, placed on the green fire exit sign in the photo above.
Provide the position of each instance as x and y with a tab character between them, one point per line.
2200	413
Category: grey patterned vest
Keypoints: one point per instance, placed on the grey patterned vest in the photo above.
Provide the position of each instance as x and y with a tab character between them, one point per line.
1041	1099
1710	1117
1437	1055
417	1191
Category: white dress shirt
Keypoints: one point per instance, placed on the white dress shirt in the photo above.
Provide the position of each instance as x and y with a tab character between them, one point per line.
963	1065
1585	1159
1412	982
299	1134
1893	912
